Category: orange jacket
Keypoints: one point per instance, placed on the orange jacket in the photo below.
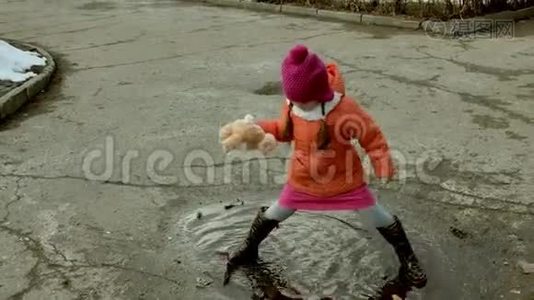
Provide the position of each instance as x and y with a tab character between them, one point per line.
337	169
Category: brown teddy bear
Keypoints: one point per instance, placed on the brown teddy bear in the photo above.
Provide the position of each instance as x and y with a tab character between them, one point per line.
245	134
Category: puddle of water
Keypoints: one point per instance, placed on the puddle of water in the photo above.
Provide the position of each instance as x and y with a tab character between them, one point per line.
162	4
97	5
378	32
270	88
515	136
490	122
495	105
311	256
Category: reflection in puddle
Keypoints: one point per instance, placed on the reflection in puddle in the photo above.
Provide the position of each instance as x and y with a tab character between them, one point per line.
393	289
268	284
310	256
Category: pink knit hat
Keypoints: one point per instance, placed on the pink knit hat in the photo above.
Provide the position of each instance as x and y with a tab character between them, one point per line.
304	77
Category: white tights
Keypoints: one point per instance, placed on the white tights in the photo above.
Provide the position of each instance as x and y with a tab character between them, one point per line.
375	216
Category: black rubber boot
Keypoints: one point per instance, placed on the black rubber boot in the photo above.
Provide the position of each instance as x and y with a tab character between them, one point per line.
247	253
410	269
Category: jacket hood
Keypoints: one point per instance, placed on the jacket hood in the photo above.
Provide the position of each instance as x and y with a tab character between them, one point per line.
335	78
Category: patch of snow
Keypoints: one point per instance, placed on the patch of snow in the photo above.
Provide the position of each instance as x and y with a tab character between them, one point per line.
15	63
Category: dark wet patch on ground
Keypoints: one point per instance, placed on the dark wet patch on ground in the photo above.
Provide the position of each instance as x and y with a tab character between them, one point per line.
528	85
515	136
380	36
378	32
525	97
97	5
458	233
526	54
164	4
465	45
495	105
522	55
270	88
529	96
426	83
502	74
490	122
294	26
8	160
447	169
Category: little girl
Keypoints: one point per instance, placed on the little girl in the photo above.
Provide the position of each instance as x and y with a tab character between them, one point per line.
326	172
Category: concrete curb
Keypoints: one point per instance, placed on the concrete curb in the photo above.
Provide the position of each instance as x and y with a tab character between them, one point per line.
429	26
14	99
331	15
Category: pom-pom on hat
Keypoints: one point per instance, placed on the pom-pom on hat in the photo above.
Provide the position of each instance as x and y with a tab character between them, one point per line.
304	77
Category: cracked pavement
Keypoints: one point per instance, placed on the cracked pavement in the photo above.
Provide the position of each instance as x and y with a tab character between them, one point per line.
158	78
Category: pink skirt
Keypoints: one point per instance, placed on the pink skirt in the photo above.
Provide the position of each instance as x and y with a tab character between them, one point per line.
357	199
